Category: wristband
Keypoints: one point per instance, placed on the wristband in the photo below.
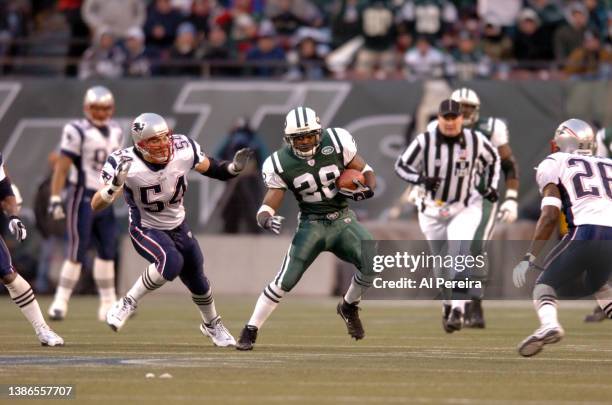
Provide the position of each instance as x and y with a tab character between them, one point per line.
554	201
511	194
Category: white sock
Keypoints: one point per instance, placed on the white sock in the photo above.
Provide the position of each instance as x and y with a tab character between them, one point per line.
548	315
150	280
23	296
206	305
604	299
356	290
68	278
104	275
266	304
458	304
545	303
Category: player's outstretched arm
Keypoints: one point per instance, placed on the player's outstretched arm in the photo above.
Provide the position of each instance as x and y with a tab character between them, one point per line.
266	216
224	170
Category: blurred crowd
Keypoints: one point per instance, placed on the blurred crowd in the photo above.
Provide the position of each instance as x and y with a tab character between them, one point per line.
309	39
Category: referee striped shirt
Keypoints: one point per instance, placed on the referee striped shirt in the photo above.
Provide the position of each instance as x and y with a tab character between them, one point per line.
459	162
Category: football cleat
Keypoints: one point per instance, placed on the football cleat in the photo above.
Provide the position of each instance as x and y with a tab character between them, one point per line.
598	315
350	315
103	310
474	317
120	312
57	311
446	309
545	335
218	333
49	338
247	339
454	321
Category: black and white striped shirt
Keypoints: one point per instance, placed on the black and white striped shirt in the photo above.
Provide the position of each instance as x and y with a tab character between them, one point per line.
459	162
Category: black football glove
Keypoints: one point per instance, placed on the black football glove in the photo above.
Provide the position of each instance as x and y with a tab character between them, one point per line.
362	192
491	194
430	183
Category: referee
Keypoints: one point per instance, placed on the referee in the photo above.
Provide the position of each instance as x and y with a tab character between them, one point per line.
448	163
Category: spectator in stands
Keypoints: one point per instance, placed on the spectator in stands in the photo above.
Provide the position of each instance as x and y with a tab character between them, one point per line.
345	22
531	49
306	61
266	56
598	15
286	22
428	18
182	60
377	23
240	26
114	16
216	51
503	12
244	193
591	60
102	60
569	36
468	62
161	24
13	25
424	61
79	32
139	61
495	43
201	17
551	17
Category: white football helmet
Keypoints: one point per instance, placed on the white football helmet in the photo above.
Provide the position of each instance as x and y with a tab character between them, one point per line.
152	138
470	104
574	136
303	121
98	105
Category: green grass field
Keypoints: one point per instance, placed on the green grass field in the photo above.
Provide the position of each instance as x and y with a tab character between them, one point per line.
304	355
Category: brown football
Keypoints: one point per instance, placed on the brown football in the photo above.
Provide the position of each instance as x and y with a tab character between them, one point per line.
346	179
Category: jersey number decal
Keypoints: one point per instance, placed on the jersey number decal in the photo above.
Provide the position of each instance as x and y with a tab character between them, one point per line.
308	186
604	174
157	206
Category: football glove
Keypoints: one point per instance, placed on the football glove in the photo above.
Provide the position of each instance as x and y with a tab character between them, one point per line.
519	274
491	194
241	158
508	211
431	183
17	228
56	208
274	223
362	192
121	172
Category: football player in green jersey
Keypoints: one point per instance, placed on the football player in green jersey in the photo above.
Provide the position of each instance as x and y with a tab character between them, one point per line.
496	131
308	166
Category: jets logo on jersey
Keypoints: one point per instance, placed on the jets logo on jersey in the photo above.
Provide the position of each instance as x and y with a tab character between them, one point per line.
328	150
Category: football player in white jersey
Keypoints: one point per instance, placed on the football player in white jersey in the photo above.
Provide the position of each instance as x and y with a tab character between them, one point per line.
84	147
572	180
152	175
498	134
18	288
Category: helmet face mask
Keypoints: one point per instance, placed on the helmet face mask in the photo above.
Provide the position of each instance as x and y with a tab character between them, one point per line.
303	132
152	138
574	136
470	104
98	105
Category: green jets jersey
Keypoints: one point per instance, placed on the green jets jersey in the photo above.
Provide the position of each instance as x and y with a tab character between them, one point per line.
493	128
313	181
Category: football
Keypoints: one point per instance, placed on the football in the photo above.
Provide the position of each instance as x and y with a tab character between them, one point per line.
346	179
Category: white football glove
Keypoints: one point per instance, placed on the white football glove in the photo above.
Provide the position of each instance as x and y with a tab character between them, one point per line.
17	228
121	172
508	212
519	274
274	223
241	158
56	208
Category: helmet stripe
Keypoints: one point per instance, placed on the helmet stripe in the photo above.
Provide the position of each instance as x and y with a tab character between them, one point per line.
305	117
297	118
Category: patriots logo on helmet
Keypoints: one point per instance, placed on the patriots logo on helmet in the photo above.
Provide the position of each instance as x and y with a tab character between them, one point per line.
138	126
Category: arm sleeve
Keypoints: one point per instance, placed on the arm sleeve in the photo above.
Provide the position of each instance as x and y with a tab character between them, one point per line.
349	147
270	177
410	163
70	145
491	163
500	135
547	172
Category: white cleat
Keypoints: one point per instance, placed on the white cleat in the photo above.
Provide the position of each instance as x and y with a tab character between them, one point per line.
218	333
103	310
545	335
120	312
57	311
49	338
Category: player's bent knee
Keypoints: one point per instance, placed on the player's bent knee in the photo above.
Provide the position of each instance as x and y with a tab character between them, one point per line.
173	266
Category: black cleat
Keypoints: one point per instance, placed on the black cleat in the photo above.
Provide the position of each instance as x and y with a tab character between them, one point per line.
350	315
598	315
474	317
247	339
454	321
446	309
